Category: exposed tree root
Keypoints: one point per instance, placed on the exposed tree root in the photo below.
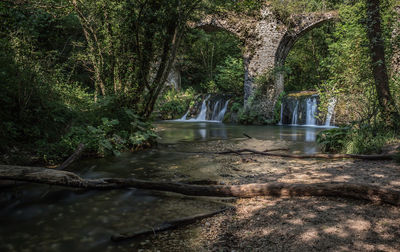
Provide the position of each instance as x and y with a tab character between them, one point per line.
167	225
69	179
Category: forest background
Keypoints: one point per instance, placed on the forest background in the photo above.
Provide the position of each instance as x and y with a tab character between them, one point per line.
94	72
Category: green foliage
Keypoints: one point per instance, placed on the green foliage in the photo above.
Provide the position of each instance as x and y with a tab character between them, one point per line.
110	136
248	117
212	62
283	9
254	110
47	105
333	140
236	106
368	139
173	104
230	77
249	7
303	64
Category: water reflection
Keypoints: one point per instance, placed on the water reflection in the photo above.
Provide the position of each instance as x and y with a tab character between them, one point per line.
310	135
294	133
203	133
39	217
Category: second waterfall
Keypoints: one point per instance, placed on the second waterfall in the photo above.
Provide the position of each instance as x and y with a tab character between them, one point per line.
212	108
301	109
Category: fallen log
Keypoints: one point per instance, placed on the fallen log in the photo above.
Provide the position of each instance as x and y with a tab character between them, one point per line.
332	189
167	225
324	156
76	155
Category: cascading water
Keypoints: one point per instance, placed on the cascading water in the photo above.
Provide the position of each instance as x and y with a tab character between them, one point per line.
311	111
203	112
222	112
281	121
215	111
185	116
218	111
295	115
303	110
331	109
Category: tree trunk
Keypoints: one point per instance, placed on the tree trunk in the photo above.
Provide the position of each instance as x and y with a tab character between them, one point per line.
395	73
69	179
171	43
374	32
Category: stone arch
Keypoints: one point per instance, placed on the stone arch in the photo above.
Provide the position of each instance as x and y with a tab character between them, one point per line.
235	25
267	41
291	36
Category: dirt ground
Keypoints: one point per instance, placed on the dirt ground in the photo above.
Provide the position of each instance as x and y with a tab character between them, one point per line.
291	224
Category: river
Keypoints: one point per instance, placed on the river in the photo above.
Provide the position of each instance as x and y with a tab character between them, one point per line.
44	218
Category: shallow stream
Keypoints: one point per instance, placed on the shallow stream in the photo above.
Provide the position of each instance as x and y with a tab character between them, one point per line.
48	218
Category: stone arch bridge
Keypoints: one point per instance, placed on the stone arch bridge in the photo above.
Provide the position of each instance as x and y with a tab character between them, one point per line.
267	42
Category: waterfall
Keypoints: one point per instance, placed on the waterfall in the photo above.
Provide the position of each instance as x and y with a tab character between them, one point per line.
311	111
218	106
215	111
303	110
295	113
185	116
331	109
222	112
203	112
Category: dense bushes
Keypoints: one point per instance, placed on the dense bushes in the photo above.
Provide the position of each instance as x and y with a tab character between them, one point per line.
173	104
212	62
357	139
47	104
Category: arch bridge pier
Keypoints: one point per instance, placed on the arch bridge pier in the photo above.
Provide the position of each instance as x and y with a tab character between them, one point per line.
267	42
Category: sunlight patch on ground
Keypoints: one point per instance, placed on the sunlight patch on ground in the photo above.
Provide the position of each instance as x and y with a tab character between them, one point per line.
309	235
342	178
358	225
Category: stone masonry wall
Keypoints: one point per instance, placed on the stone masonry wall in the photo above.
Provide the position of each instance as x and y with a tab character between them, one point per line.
267	41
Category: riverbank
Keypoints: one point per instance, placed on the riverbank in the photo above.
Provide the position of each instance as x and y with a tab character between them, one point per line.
291	224
39	217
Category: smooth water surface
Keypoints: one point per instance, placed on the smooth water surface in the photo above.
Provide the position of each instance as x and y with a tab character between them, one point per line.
48	218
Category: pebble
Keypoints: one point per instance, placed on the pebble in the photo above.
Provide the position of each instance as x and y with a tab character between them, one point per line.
207	224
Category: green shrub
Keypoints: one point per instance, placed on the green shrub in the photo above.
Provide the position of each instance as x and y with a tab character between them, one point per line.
356	139
333	140
236	106
368	139
230	78
111	136
173	104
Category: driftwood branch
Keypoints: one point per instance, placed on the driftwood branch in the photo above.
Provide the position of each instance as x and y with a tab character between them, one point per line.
76	155
167	225
249	137
242	151
69	179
